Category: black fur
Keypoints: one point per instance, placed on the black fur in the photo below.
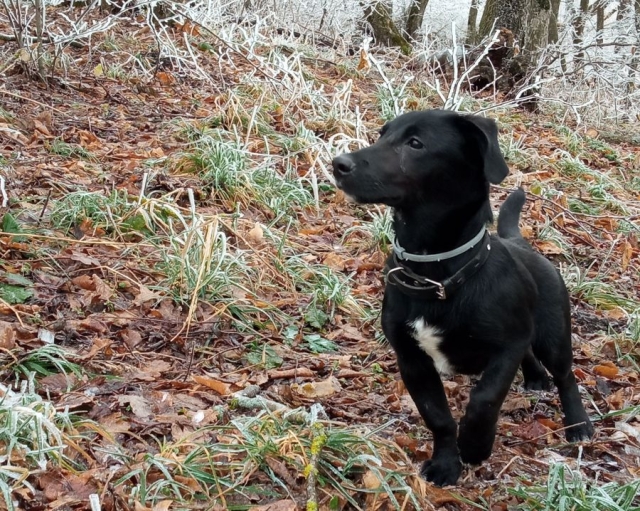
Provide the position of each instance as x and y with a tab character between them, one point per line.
434	169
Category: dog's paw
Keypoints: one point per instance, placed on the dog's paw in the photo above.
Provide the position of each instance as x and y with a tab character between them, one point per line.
475	442
476	454
475	448
441	471
580	432
542	383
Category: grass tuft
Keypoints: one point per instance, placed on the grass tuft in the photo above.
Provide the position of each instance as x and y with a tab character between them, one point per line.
568	490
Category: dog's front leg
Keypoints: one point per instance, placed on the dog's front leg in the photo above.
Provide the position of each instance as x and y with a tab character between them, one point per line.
425	387
478	426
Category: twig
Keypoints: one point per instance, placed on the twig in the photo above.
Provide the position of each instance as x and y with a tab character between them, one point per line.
18	96
311	470
44	207
12	309
5	199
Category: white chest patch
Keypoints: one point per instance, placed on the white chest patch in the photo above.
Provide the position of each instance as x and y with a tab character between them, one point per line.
429	339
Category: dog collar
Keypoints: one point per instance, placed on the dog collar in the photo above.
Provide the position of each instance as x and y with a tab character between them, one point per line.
431	258
410	283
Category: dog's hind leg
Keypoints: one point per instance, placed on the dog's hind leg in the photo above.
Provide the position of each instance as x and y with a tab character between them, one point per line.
575	417
535	377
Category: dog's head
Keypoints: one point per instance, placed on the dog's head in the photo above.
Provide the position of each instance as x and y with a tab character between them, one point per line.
424	156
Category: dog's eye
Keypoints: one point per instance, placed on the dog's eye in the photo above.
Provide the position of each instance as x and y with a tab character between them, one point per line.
415	143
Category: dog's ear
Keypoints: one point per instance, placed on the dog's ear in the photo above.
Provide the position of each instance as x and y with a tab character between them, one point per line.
486	131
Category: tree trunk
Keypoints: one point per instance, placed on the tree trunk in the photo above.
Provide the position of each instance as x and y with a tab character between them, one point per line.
537	25
378	15
415	17
600	21
488	17
527	19
553	21
578	29
472	23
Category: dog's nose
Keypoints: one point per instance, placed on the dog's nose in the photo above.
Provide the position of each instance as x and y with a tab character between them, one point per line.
343	164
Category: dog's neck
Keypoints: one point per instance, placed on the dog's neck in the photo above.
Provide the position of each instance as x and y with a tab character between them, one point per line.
429	230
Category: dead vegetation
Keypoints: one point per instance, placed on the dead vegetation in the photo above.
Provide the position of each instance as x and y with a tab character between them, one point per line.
189	309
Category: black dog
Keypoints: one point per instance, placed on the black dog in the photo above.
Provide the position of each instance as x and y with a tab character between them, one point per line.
458	299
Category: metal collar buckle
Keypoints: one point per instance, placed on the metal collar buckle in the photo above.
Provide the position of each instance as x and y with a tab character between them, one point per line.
441	291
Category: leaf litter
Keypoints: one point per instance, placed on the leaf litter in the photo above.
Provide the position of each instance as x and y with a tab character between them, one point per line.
167	304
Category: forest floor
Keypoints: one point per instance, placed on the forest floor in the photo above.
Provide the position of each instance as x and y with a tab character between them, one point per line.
174	260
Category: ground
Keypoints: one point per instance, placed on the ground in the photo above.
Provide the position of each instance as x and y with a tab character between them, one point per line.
174	261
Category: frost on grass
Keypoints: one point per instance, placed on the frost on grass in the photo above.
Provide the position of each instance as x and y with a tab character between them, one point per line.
33	436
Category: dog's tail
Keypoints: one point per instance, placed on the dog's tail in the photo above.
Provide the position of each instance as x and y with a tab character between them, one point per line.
510	215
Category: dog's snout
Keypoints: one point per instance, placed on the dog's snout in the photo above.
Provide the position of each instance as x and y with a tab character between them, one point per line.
343	164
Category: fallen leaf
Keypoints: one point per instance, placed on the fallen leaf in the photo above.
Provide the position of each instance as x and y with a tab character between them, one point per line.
103	291
439	496
7	336
324	388
547	247
163	505
131	337
256	234
165	78
334	261
84	282
548	423
516	403
363	63
627	254
146	295
220	387
606	369
406	442
531	431
139	405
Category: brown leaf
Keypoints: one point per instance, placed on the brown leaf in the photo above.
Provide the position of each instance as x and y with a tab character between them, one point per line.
324	388
89	324
363	63
580	374
406	442
58	383
439	496
115	423
516	403
84	259
256	234
531	431
552	425
220	387
146	295
139	405
334	261
89	140
163	505
165	78
131	337
627	254
547	247
607	369
103	291
84	282
7	336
